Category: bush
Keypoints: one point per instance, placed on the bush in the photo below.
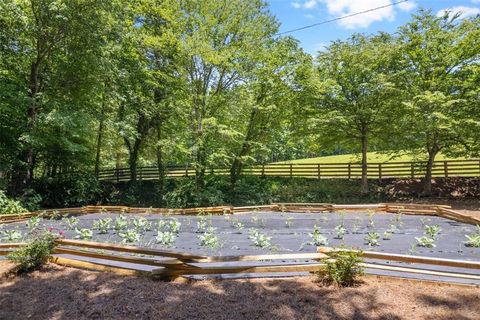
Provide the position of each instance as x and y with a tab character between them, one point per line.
34	254
68	190
10	206
344	268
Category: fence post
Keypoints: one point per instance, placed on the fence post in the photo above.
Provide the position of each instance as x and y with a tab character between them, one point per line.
349	171
318	170
263	170
380	172
118	174
291	170
445	168
186	171
412	169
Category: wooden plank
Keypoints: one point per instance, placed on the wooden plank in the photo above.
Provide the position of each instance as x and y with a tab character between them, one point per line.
408	258
171	263
97	267
132	249
421	271
12	245
243	269
266	257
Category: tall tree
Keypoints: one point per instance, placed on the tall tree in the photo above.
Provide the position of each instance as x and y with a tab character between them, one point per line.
438	55
357	104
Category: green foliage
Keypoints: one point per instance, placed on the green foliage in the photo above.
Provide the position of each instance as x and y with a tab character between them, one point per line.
340	231
432	231
71	222
473	240
10	206
343	269
372	239
121	223
83	233
259	239
102	225
35	253
11	235
209	238
166	238
142	225
130	236
317	238
425	241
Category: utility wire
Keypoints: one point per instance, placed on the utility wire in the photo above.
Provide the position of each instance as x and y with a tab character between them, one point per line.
340	18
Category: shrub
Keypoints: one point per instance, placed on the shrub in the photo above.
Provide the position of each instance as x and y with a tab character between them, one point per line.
35	253
343	269
10	206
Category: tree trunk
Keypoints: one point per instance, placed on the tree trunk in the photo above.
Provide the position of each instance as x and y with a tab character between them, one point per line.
100	137
364	188
133	159
160	165
427	180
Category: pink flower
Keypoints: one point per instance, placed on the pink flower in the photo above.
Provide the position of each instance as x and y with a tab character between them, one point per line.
50	228
61	233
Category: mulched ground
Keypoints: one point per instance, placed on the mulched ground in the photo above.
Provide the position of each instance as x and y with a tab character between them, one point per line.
66	293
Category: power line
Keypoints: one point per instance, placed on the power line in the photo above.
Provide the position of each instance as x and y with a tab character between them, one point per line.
340	18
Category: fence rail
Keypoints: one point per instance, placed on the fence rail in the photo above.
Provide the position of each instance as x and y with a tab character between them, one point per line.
448	168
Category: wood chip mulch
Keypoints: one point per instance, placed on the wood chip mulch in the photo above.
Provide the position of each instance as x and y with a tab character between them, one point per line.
56	292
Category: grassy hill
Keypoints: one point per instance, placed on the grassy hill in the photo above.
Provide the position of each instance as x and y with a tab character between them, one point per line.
356	157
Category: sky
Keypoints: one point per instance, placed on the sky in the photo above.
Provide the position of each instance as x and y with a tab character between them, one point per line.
294	14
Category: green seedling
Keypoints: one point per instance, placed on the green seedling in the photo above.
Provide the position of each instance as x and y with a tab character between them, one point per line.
340	231
102	225
83	233
317	238
372	239
165	238
12	235
130	236
209	238
260	240
121	223
426	242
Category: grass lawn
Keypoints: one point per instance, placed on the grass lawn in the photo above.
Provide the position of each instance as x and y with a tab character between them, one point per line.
356	157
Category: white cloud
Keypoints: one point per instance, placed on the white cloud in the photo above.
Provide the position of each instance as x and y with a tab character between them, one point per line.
296	5
307	4
475	1
309	16
464	11
408	6
339	8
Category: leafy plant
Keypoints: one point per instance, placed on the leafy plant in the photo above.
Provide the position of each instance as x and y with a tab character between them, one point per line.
209	238
372	239
10	206
317	238
371	222
259	222
166	238
102	225
432	231
426	242
12	235
237	224
33	222
387	235
71	222
34	253
121	223
340	231
473	240
203	223
260	240
130	236
172	226
84	233
289	222
344	268
142	225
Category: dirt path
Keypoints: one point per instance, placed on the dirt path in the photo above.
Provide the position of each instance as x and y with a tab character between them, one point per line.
65	293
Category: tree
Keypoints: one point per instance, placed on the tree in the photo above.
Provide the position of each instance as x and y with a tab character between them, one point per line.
357	104
439	55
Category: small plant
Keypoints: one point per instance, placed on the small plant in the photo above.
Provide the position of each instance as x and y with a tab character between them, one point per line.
142	225
344	268
473	240
237	224
289	222
84	233
166	238
387	235
172	226
202	224
392	228
371	222
35	253
209	238
260	240
121	223
340	231
372	239
259	222
130	236
426	242
102	225
432	231
72	222
317	238
12	235
55	215
33	222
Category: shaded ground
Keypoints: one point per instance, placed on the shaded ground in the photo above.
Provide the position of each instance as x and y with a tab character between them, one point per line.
65	293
